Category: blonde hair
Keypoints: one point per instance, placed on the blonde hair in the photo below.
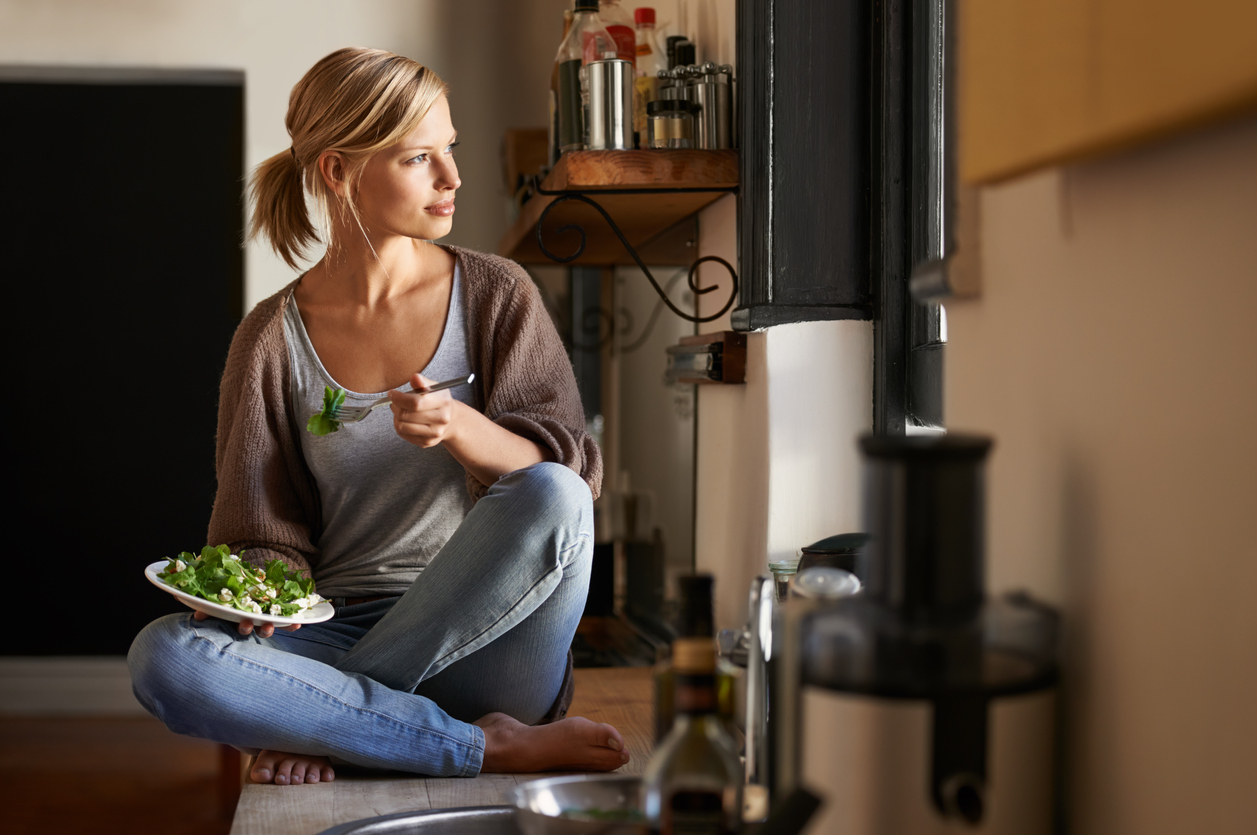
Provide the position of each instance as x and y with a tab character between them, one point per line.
356	102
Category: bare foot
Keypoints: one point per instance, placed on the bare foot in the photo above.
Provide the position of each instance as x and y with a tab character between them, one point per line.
572	744
291	769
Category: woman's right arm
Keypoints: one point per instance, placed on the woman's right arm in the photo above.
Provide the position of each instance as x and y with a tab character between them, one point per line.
266	503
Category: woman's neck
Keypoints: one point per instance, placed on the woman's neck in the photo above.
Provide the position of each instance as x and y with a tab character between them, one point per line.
373	273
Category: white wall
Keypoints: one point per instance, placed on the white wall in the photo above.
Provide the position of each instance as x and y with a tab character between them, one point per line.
777	464
273	41
1112	356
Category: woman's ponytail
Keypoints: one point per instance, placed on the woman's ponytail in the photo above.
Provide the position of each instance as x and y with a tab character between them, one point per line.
279	207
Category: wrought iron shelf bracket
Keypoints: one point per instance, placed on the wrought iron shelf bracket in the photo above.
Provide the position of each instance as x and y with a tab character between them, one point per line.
563	195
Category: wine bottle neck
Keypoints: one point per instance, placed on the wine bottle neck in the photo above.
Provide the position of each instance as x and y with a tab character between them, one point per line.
694	655
696	694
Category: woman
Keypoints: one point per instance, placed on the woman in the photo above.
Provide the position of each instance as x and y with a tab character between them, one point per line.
455	542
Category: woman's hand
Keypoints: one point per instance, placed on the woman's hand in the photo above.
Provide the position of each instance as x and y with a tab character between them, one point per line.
485	450
246	627
422	418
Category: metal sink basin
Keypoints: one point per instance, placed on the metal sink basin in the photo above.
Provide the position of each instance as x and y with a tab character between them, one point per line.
473	820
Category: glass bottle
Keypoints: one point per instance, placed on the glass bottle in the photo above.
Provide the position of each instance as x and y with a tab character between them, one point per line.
693	783
620	26
586	41
650	60
695	622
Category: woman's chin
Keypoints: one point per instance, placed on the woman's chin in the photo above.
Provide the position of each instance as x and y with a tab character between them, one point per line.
432	231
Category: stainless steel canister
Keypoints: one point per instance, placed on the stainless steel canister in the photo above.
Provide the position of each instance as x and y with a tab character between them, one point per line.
609	125
713	122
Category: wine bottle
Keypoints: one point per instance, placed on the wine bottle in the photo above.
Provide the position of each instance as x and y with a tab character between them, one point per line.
693	783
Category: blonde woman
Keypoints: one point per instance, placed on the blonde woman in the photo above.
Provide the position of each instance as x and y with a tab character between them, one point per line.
456	540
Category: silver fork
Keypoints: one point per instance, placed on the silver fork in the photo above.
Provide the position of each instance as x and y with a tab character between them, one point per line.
353	414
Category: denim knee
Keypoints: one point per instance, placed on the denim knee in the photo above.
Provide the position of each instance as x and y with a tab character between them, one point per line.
554	486
161	671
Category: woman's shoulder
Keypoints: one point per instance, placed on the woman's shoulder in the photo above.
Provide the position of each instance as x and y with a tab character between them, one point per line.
491	270
262	327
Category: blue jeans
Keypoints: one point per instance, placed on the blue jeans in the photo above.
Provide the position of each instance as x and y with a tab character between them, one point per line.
396	683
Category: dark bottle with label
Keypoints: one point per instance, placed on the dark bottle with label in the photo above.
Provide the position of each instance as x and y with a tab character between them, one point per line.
552	126
587	40
693	783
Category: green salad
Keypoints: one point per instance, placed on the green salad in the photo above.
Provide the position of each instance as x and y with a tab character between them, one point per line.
325	422
222	577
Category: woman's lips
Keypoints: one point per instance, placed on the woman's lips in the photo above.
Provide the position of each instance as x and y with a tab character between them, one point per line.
441	209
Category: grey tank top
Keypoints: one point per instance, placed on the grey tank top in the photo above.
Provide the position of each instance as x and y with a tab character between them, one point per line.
388	506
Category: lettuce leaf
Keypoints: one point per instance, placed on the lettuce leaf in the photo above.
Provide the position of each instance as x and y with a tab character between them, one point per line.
325	422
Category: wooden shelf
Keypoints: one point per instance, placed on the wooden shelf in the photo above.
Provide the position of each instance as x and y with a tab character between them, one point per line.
660	226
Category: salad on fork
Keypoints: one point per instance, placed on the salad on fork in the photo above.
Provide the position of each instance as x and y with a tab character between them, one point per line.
335	412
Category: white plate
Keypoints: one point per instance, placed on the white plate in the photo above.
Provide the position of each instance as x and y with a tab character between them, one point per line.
319	613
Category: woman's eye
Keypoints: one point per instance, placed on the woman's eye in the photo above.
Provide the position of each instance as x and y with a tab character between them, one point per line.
449	149
420	158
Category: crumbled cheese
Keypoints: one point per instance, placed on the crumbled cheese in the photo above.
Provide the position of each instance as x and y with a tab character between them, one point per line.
275	610
225	595
180	565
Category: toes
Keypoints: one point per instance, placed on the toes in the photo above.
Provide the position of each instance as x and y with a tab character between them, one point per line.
608	737
263	770
283	771
290	769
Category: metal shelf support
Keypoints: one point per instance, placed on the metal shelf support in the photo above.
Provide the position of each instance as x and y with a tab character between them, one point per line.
583	197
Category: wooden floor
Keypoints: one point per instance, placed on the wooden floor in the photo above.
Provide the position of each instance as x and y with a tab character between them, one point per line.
107	776
131	775
617	696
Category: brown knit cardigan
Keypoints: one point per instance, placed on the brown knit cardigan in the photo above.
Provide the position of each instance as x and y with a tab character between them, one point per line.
267	501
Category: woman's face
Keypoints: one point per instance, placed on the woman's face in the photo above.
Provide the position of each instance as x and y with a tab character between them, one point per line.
408	189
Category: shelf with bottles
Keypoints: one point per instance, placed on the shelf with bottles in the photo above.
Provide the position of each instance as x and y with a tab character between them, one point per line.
652	195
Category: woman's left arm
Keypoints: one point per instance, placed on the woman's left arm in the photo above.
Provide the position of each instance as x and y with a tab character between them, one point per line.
530	408
485	449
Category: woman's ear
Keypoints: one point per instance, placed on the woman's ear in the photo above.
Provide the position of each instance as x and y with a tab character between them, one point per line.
334	171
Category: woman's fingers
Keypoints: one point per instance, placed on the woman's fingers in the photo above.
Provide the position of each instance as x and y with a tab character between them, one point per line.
422	418
247	627
421	432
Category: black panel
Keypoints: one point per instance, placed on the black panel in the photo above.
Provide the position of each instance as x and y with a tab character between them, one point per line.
820	153
754	103
804	207
125	274
588	328
891	231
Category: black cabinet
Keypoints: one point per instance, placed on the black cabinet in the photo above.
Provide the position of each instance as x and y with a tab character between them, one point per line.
804	207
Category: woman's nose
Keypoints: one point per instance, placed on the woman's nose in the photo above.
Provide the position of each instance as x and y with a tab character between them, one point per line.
448	178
